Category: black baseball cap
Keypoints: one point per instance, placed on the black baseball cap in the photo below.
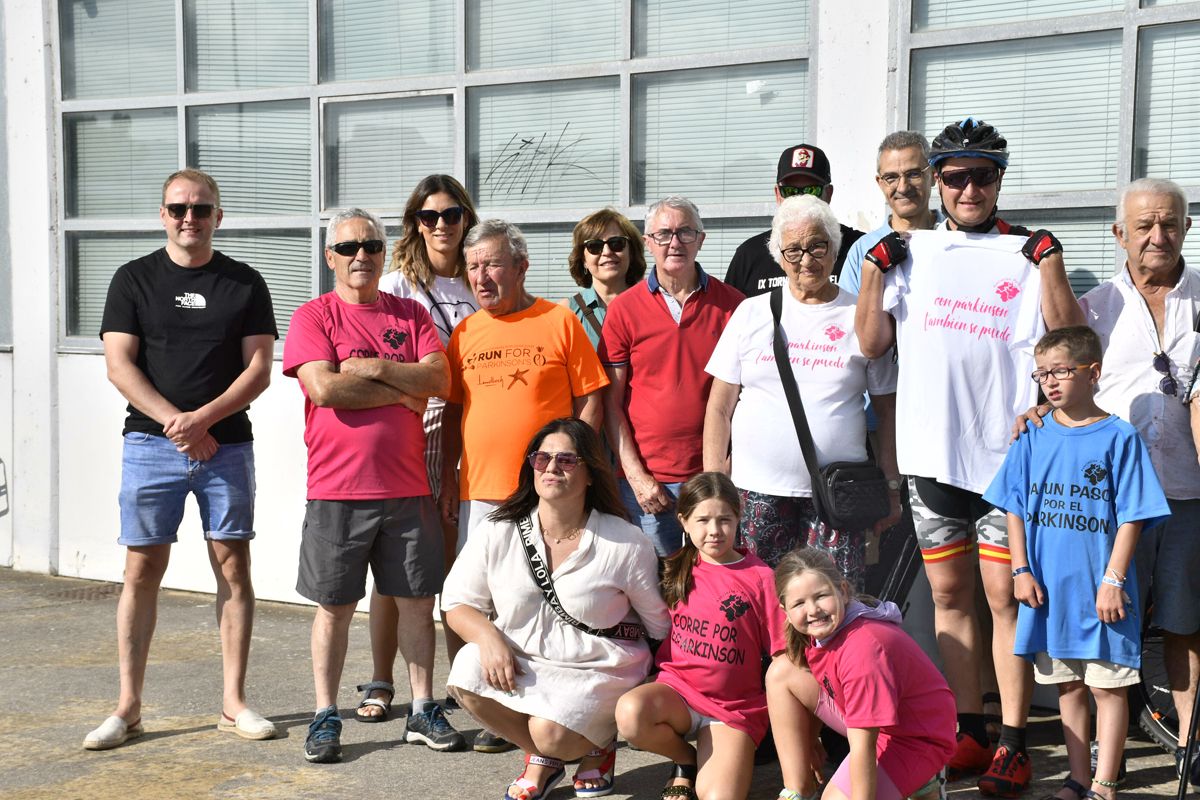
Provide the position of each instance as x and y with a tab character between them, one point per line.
803	159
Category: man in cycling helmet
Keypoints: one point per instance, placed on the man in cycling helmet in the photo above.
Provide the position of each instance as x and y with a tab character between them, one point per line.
965	312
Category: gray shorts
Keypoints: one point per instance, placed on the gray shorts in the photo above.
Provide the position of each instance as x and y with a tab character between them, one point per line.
400	539
1166	560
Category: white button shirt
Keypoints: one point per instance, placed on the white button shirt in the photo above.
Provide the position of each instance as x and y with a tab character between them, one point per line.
1129	383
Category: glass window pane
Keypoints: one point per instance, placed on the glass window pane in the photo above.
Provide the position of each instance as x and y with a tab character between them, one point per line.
1168	104
929	14
1191	243
715	135
117	48
544	144
672	27
259	153
115	161
239	45
377	150
367	39
721	238
549	249
1152	3
283	258
502	34
1089	250
92	258
1057	101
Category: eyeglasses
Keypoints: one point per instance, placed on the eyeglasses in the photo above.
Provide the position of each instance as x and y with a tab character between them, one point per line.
912	176
1061	373
786	191
372	246
686	235
199	210
980	176
615	243
1168	385
794	255
540	460
428	217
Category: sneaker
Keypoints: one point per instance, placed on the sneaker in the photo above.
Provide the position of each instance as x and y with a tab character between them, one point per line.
450	704
1009	774
431	729
488	742
970	758
1194	772
1096	758
324	742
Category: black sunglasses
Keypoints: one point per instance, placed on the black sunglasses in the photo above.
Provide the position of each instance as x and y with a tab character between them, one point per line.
615	243
199	210
1168	385
980	176
372	246
428	217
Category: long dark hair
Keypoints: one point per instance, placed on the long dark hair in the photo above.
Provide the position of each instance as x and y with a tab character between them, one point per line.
601	493
797	562
408	254
677	580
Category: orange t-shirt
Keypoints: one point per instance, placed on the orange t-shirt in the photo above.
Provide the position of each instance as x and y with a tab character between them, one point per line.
512	375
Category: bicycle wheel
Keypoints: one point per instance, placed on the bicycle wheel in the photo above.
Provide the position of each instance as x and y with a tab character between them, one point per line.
1157	716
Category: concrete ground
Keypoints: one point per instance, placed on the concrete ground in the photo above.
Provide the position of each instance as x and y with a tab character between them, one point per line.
58	673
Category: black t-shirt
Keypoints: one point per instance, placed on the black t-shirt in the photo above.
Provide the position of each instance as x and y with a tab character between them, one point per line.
191	322
753	271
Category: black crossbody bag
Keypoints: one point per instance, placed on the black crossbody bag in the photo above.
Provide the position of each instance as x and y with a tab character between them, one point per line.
629	631
848	495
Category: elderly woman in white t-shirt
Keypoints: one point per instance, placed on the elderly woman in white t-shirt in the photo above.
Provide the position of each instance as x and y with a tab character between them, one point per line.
748	431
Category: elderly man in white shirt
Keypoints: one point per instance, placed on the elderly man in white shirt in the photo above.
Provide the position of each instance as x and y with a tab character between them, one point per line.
1147	317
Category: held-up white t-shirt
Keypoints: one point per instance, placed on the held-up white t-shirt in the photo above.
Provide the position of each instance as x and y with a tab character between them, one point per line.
832	375
968	314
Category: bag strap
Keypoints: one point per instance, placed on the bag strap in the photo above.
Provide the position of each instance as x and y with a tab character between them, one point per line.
540	570
435	305
587	312
792	392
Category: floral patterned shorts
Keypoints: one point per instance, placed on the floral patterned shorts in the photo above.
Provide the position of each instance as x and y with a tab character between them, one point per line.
772	526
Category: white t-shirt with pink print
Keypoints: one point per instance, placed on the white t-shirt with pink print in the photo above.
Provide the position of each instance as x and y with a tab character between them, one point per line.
832	375
968	314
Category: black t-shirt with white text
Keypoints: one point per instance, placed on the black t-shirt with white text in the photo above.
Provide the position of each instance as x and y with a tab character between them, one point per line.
191	322
753	271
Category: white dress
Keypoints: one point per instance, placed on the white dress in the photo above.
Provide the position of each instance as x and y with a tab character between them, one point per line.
566	676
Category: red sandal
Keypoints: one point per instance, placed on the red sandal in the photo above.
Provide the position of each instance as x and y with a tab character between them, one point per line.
527	788
604	773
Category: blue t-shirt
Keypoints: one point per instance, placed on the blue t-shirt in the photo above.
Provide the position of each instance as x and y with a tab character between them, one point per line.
851	279
1074	487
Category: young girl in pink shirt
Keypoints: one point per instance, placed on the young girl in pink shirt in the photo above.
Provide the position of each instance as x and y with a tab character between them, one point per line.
851	667
724	618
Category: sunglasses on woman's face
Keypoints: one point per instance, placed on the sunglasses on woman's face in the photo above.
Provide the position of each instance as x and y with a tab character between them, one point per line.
429	218
596	246
540	460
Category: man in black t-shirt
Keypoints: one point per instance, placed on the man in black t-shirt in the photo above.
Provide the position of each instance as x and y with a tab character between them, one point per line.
803	169
188	338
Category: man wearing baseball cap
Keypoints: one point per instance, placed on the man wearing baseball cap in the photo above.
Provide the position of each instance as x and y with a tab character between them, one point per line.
803	169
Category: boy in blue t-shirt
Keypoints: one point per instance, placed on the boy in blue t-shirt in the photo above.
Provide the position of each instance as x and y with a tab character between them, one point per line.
1078	492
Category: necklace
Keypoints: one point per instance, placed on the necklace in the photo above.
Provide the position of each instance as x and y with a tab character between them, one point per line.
573	533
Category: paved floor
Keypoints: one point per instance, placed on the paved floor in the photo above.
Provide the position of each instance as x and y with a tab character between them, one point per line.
58	680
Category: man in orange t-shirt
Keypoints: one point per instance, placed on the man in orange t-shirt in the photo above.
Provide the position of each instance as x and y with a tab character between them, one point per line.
516	363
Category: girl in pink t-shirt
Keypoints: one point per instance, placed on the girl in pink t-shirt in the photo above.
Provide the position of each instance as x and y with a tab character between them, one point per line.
850	666
724	618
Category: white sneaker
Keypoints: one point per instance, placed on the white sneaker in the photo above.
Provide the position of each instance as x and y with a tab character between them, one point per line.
113	732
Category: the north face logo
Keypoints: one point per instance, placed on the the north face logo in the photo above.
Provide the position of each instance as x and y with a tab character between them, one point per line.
394	338
190	300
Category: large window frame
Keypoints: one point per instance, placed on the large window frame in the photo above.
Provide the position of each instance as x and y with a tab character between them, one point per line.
1130	22
457	83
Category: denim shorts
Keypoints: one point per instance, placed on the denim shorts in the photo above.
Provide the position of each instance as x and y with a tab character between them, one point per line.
156	479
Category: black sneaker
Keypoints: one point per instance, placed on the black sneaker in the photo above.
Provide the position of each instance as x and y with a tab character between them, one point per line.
324	742
1096	758
1194	772
431	729
450	704
488	742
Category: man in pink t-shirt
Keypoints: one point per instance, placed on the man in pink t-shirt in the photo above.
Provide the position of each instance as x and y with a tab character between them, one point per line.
367	361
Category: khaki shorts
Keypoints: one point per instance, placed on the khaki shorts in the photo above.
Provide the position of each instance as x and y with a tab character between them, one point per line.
1097	674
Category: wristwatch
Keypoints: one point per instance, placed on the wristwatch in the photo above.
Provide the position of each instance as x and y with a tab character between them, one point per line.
893	484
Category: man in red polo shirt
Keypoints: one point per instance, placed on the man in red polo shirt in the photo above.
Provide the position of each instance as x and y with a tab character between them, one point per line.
657	338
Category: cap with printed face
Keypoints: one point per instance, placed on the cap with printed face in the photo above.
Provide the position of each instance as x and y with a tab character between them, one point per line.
804	159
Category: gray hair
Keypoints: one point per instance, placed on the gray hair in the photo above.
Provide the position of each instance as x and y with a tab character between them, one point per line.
354	213
518	248
1151	186
677	202
798	210
902	140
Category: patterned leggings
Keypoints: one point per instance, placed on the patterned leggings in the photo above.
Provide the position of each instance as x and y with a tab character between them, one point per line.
771	526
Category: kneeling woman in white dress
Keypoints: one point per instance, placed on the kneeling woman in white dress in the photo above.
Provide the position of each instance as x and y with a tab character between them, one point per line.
548	679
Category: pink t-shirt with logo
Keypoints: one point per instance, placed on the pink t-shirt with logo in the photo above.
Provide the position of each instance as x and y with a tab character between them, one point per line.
713	655
372	453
